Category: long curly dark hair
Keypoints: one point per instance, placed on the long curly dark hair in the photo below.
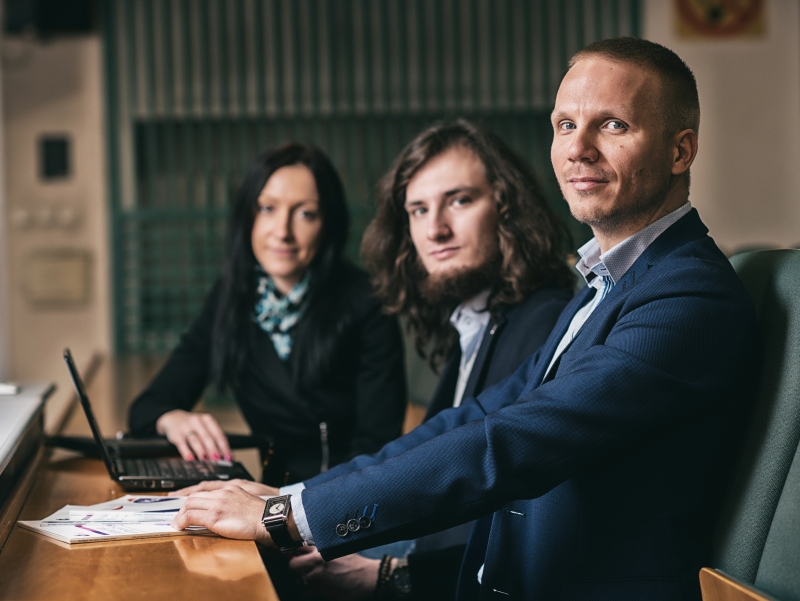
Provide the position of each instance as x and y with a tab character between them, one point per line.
531	239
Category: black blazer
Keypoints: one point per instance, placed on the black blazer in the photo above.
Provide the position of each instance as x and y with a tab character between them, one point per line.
362	400
515	335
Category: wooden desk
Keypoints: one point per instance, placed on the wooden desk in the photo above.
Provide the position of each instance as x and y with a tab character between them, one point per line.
191	567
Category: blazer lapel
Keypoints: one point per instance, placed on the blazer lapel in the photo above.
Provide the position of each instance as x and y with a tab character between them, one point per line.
476	375
549	348
688	228
446	388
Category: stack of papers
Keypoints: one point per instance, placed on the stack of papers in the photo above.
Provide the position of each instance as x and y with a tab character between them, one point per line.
131	516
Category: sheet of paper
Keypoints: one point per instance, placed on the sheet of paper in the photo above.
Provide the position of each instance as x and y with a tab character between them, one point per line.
84	533
130	516
135	504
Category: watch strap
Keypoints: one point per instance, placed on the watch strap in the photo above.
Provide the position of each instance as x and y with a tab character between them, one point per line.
278	526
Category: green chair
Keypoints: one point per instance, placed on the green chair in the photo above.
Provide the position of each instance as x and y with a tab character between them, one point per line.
757	543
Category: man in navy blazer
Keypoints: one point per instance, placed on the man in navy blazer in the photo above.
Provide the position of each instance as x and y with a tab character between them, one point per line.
603	457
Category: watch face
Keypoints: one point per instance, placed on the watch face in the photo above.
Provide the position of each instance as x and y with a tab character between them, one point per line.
277	508
401	581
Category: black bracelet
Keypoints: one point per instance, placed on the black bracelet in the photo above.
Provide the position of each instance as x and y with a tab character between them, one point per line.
384	574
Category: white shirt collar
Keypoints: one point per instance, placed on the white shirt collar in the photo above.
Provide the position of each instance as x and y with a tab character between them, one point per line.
616	261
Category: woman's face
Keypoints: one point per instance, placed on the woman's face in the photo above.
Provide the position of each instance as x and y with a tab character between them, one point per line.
288	226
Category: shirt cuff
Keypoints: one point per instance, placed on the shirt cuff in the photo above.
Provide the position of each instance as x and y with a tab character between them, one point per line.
300	519
292	489
297	509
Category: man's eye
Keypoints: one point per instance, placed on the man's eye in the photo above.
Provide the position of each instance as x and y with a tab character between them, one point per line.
617	125
566	125
461	200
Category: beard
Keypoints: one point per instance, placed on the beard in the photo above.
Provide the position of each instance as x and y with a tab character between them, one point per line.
448	290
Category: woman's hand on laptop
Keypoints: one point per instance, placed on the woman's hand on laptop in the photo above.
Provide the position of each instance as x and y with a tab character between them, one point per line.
195	434
254	488
230	512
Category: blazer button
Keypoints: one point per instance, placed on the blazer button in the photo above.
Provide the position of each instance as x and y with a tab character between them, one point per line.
342	530
353	525
364	522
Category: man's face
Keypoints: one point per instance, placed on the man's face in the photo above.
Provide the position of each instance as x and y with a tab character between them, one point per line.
609	151
452	213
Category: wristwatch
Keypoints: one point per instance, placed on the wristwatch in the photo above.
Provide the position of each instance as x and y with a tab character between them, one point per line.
400	581
276	519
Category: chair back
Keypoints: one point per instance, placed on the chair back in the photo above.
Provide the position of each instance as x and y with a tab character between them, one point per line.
758	538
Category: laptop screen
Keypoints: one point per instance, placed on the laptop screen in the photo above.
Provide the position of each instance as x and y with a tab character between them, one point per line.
87	409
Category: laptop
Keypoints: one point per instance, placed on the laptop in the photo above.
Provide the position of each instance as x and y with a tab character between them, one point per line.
151	473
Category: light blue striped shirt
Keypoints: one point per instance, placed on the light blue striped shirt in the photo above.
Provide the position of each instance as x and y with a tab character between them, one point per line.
603	271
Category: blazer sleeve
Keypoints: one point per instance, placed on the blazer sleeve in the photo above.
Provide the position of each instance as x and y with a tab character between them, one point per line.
667	359
444	421
380	389
182	379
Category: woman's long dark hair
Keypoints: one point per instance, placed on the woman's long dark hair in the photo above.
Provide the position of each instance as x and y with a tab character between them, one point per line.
233	324
532	240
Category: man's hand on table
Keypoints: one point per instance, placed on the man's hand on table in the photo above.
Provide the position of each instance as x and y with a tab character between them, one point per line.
254	488
230	512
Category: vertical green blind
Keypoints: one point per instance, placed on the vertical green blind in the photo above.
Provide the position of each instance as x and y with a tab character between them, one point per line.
197	88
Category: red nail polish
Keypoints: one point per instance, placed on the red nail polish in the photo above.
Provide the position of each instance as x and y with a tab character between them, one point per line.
228	457
190	457
215	457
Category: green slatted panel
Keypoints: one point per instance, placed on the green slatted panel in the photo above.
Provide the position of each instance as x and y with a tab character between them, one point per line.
197	88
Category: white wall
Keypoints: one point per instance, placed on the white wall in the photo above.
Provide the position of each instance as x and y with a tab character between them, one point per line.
5	290
746	180
56	87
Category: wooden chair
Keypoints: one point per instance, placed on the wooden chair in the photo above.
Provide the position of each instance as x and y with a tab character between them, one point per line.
756	554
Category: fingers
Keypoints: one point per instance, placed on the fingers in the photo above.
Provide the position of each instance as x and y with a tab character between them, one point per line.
205	485
254	488
193	513
195	435
304	562
180	442
202	443
230	512
217	435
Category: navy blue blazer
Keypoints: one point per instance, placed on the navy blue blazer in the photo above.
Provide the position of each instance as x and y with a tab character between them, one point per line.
604	478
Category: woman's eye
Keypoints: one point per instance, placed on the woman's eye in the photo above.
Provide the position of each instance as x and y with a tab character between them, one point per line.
264	209
462	200
309	215
417	211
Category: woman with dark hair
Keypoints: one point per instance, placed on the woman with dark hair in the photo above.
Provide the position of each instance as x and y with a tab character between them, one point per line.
291	328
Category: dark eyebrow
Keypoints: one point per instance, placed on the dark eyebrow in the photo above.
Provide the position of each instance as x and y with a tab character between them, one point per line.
446	194
459	190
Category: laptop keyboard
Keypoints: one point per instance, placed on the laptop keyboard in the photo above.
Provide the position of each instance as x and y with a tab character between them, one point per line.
176	469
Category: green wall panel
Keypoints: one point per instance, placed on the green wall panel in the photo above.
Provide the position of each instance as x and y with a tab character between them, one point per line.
197	88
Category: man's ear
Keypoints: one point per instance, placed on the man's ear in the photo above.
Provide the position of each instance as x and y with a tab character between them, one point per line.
684	151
